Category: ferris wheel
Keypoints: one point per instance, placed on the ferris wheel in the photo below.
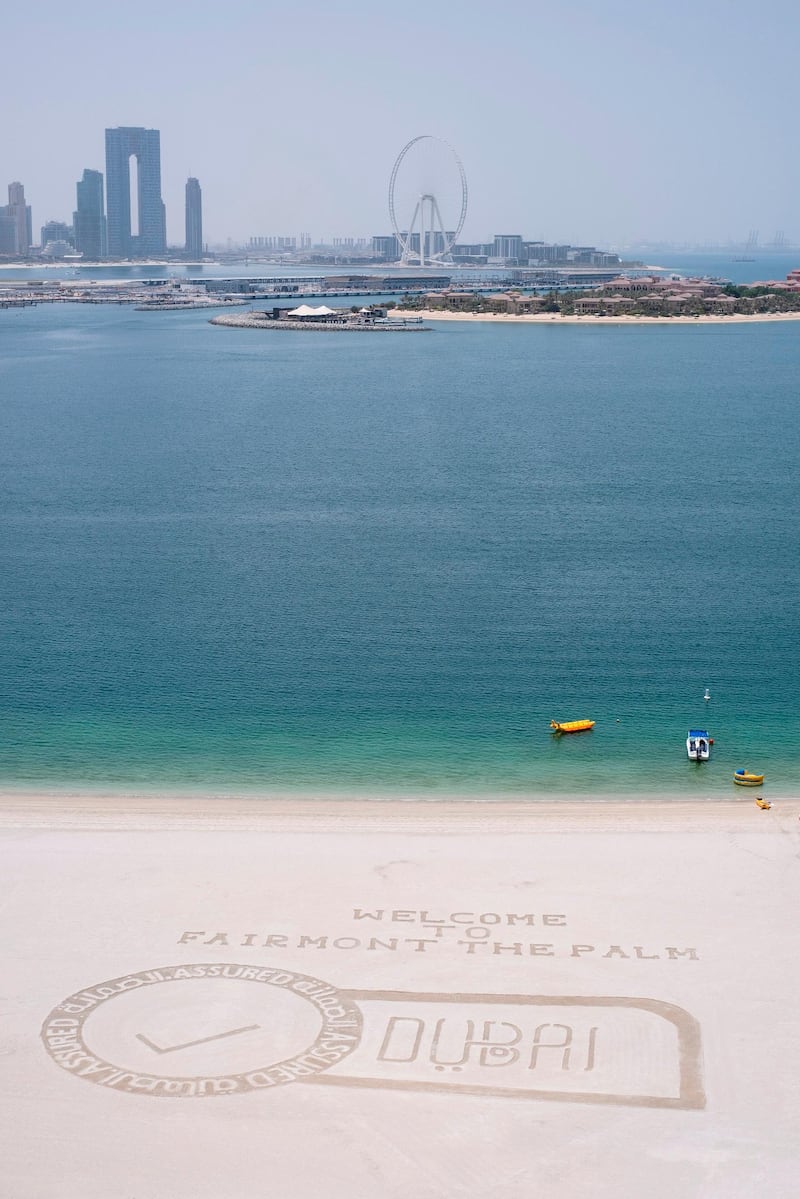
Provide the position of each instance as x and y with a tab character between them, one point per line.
426	171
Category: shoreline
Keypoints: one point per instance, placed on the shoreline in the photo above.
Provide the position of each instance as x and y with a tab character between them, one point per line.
378	794
549	318
176	811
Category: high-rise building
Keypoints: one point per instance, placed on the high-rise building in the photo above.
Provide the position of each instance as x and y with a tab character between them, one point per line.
88	220
8	233
20	213
149	235
194	218
555	253
507	245
57	231
386	246
479	249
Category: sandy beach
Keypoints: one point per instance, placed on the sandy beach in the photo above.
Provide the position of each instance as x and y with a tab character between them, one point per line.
405	997
548	318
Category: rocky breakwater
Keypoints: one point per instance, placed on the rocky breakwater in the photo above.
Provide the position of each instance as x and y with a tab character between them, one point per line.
346	323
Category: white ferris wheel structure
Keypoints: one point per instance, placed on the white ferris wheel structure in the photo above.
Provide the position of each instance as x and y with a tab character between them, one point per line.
425	241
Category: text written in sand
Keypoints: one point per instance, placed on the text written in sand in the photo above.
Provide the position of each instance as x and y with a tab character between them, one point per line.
468	931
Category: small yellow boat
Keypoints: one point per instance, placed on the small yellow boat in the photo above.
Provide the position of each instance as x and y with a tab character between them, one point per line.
764	804
571	726
746	779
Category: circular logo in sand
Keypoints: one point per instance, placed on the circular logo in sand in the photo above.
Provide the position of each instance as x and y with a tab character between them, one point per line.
202	1030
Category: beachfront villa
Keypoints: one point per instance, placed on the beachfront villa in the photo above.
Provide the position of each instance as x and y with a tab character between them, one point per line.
647	295
511	302
790	283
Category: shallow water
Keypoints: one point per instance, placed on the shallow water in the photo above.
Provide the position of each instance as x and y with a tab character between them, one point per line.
236	561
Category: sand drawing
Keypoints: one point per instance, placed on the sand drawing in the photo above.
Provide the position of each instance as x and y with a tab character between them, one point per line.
300	1029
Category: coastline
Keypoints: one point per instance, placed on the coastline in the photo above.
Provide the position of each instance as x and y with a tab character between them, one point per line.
175	811
549	318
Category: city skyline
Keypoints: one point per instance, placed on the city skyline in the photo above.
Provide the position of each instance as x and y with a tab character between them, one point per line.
137	198
136	214
610	123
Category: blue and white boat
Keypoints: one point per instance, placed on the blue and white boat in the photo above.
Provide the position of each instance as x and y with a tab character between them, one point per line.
698	745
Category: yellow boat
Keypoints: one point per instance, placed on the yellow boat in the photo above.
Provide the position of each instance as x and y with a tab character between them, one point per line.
571	726
746	779
764	804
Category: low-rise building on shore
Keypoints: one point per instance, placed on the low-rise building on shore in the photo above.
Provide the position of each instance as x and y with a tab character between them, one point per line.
512	302
649	295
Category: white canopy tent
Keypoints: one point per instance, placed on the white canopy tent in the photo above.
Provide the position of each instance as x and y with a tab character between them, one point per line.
305	310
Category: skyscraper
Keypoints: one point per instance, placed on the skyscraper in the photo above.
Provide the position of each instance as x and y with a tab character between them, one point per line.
194	218
88	220
8	233
20	213
150	235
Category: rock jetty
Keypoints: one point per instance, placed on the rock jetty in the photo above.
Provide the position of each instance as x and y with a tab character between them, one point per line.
344	323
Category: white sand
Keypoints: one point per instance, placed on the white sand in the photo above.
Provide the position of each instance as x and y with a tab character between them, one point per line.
554	999
541	318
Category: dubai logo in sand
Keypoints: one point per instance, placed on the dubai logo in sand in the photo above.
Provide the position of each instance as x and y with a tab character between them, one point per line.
287	1026
216	1029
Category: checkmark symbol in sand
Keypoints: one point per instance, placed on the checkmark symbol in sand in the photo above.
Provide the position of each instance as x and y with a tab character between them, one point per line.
189	1044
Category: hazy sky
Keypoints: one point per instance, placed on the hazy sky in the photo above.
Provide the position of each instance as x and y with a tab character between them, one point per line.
604	121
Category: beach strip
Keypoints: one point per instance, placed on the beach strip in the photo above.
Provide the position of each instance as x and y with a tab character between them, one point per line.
550	318
285	811
462	999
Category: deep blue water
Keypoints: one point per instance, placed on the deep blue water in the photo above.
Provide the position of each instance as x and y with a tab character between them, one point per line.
234	560
739	266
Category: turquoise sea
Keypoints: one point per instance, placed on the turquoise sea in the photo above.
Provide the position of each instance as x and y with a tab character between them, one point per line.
233	561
